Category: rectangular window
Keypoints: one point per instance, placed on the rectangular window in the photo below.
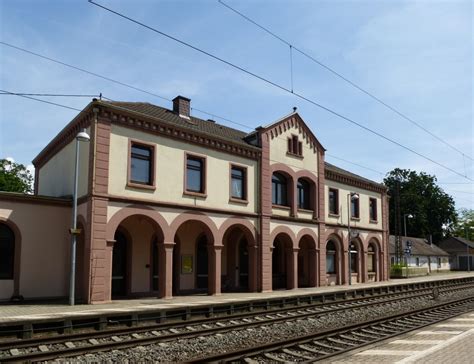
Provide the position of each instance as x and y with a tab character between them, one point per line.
295	147
439	262
392	260
355	208
417	262
333	201
195	174
373	209
141	164
295	144
238	183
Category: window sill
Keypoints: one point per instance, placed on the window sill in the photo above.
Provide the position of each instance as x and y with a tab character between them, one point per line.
195	194
294	155
373	221
141	186
239	201
281	207
355	218
305	210
333	215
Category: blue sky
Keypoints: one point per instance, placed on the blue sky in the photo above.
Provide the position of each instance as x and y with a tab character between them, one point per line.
415	55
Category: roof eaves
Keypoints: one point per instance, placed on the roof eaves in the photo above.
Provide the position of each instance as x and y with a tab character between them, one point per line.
161	120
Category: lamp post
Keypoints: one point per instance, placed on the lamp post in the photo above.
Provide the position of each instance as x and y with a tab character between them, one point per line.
80	137
350	197
410	216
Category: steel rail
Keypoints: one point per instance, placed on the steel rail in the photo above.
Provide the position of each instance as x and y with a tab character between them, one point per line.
323	307
123	344
257	350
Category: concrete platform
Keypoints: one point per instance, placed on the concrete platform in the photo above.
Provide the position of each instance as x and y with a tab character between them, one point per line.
24	313
450	341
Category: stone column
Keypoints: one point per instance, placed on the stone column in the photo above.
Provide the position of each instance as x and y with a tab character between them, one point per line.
365	268
165	267
215	260
102	273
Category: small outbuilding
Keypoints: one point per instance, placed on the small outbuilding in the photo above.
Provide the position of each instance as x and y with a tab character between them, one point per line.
461	252
425	258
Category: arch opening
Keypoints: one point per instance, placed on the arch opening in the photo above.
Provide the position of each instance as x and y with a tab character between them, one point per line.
282	262
333	262
136	258
193	258
307	262
239	260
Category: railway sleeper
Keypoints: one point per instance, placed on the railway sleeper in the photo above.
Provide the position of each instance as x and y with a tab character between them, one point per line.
274	358
327	346
388	328
373	333
337	341
365	335
347	337
311	350
298	355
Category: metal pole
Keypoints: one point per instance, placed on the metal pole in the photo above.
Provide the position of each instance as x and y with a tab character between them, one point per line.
73	230
405	224
349	236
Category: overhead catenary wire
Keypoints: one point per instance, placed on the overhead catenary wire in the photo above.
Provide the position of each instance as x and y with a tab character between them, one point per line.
292	165
283	88
40	100
150	93
344	78
48	94
84	70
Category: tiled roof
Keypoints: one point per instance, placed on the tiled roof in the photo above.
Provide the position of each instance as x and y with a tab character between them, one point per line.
208	127
419	246
335	169
168	116
461	240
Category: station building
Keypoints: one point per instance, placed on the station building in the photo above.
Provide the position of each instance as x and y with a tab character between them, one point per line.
170	204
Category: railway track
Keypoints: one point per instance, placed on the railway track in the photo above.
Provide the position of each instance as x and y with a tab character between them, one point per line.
47	348
328	343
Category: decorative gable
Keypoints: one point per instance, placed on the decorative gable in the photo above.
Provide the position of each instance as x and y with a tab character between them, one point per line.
295	123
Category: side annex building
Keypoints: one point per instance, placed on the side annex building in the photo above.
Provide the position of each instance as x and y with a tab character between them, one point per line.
170	204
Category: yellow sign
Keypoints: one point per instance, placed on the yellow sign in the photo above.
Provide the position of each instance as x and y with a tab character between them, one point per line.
186	264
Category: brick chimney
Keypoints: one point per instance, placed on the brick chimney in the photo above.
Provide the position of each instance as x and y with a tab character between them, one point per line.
182	106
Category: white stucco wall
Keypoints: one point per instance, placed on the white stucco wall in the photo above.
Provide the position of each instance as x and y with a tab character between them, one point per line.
169	172
56	177
364	196
279	148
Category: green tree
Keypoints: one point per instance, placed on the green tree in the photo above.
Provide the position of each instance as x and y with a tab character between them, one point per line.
433	210
464	227
14	177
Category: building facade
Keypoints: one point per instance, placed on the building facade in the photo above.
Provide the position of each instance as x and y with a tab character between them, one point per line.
170	204
461	252
425	258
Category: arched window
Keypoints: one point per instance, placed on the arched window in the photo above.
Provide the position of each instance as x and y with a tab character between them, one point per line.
331	257
279	190
7	252
304	194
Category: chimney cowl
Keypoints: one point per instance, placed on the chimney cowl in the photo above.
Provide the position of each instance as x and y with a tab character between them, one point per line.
182	106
